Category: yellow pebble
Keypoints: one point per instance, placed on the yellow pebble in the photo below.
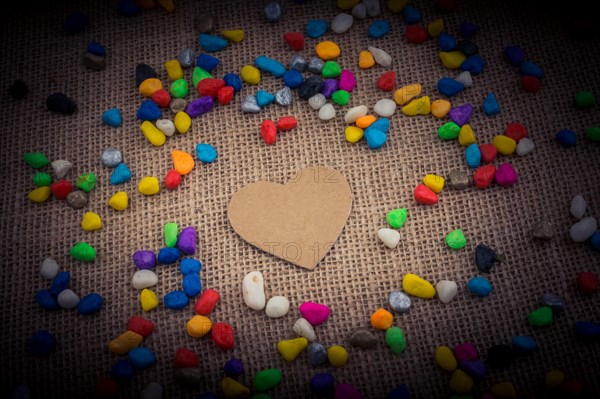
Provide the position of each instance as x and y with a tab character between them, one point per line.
466	137
40	194
416	286
434	182
125	342
365	121
452	59
182	122
149	185
396	6
337	355
353	134
119	201
250	75
418	106
365	59
461	382
174	70
154	135
445	358
148	300
291	348
146	4
233	389
436	27
504	390
198	326
554	379
91	221
440	108
327	50
235	35
150	86
407	93
168	5
347	4
504	144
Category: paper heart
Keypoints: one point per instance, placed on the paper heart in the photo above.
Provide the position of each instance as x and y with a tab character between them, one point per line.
298	221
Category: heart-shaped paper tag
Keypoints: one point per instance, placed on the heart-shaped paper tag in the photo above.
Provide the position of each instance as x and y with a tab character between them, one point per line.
298	221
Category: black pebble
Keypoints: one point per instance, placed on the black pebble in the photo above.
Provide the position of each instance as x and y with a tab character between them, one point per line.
143	72
500	356
485	257
58	102
310	87
18	90
468	48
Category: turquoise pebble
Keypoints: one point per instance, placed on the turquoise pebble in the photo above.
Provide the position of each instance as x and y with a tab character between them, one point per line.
149	111
207	62
382	124
529	68
270	65
211	43
316	28
190	266
206	153
192	286
379	28
141	358
112	117
264	98
524	344
168	255
490	105
176	300
473	156
449	87
473	64
90	304
120	174
375	138
479	286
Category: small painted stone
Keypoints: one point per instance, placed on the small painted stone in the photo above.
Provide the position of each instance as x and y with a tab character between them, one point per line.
449	131
264	98
484	176
93	61
329	87
385	107
587	329
291	348
461	114
411	15
83	251
381	319
446	42
233	80
446	290
272	11
176	300
167	256
525	146
424	195
588	282
415	34
479	286
316	28
362	338
394	338
211	43
389	237
112	117
317	354
531	84
541	317
42	343
466	137
468	48
440	108
60	103
514	54
337	355
60	167
583	229
284	96
378	28
506	175
355	112
566	138
416	286
456	239
233	389
397	217
474	64
458	180
399	301
304	329
488	152
473	156
554	302
452	59
327	112
366	60
485	258
322	384
387	82
359	11
445	358
77	199
315	65
381	57
315	313
543	230
465	78
341	23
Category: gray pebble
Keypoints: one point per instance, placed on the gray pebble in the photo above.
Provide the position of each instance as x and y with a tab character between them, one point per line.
186	58
273	11
188	376
249	104
543	230
317	354
363	338
284	96
458	180
298	62
177	105
556	302
77	199
111	157
61	167
94	62
204	22
399	301
316	65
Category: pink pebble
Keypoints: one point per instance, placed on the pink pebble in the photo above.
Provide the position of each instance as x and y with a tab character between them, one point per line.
315	313
465	351
506	175
347	81
347	391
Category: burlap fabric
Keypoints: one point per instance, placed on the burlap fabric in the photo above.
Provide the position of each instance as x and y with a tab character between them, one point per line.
356	277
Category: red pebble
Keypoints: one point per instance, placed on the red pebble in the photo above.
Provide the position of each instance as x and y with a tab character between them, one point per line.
222	335
447	5
172	179
268	131
225	95
295	40
588	282
185	358
488	152
572	387
61	189
106	387
531	84
141	326
286	123
416	34
387	81
210	87
207	302
162	98
424	195
516	131
484	176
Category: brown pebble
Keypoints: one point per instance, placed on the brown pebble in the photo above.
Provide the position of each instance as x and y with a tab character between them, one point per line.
458	180
178	105
363	338
543	230
191	376
93	61
77	199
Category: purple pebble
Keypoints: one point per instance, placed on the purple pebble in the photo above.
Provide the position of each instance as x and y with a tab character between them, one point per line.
144	259
347	391
329	87
506	175
461	114
347	81
515	55
186	241
199	106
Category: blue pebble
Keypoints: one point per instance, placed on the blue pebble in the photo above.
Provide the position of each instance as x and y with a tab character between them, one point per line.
524	344
292	79
96	49
190	266
316	28
379	28
192	286
449	87
490	105
515	55
595	241
467	29
141	357
566	138
473	156
446	42
128	8
479	286
400	392
211	43
46	300
42	343
382	124
264	98
375	138
587	329
148	111
322	384
90	304
270	65
60	283
411	15
168	255
186	58
21	392
528	68
122	370
233	368
112	117
75	22
176	300
475	368
206	153
207	62
206	395
473	64
233	80
120	174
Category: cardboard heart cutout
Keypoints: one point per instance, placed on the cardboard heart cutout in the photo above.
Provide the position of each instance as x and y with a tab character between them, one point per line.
298	221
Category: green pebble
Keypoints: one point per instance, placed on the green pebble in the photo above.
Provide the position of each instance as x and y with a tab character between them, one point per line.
397	217
260	396
331	69
267	379
41	179
394	338
171	231
83	251
340	97
541	317
456	239
593	133
86	182
585	99
36	160
179	88
449	131
200	74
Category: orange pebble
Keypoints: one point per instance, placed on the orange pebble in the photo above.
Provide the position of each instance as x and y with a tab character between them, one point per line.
382	319
365	59
150	86
365	121
183	162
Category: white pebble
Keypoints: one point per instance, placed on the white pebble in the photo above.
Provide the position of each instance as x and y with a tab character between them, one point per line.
578	206
342	23
355	112
304	329
583	229
166	126
277	306
61	168
385	107
465	78
49	269
446	290
381	57
327	112
152	391
144	279
389	237
253	290
67	299
525	146
373	8
359	11
317	101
